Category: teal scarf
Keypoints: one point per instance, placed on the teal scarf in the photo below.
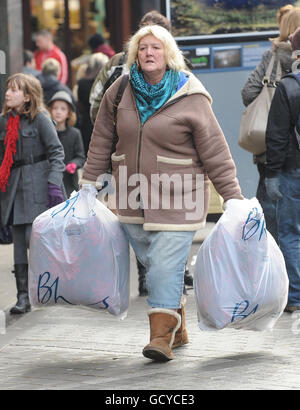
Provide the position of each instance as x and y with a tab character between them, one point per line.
149	98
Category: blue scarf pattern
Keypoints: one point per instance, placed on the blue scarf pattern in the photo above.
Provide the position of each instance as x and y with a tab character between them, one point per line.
149	98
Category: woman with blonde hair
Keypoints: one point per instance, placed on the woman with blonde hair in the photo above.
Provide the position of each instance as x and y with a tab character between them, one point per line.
31	170
167	132
288	18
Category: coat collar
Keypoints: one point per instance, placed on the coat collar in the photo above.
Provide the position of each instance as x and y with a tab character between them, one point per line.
192	86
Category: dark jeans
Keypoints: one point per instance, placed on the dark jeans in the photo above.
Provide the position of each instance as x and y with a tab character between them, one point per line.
288	219
268	206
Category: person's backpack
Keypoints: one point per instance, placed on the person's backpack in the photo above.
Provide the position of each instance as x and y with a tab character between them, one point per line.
116	74
118	98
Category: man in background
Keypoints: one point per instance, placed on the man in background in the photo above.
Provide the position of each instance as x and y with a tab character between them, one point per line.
47	49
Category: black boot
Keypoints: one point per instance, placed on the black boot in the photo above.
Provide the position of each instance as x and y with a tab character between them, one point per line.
188	278
142	279
23	304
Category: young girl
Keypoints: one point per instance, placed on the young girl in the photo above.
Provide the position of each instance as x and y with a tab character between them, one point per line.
31	169
62	112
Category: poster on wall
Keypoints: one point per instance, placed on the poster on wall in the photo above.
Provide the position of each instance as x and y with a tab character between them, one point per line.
202	19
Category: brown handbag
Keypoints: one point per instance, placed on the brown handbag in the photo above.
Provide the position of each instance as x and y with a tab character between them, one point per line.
255	117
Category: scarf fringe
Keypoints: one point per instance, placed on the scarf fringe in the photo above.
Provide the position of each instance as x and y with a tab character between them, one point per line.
10	142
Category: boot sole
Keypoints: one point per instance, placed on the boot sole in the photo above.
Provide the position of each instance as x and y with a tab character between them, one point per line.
16	311
156	355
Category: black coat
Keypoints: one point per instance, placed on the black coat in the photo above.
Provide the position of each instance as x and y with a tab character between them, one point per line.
71	141
282	148
86	126
52	85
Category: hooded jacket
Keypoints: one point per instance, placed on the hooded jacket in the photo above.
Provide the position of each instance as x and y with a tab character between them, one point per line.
182	140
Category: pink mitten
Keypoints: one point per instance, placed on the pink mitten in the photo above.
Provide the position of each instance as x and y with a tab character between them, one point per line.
71	167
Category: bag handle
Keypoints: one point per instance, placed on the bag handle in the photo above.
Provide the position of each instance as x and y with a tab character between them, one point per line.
266	79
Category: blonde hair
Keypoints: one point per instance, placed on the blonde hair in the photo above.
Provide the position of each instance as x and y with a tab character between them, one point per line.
51	67
32	89
173	55
290	21
95	63
282	11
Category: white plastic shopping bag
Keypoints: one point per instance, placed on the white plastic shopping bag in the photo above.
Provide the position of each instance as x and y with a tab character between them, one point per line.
240	278
79	255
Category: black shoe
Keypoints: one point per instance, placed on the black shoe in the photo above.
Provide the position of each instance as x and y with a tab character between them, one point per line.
23	304
188	278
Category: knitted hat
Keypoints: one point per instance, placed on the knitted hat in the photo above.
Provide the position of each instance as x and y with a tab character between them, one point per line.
295	39
62	96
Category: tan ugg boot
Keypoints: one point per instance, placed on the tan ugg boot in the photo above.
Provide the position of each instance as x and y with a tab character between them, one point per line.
164	323
181	336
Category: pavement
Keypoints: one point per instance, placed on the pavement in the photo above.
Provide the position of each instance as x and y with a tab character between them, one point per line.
73	348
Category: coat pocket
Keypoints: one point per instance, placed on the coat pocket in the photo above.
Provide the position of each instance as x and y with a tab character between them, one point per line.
176	179
120	159
117	161
177	169
29	132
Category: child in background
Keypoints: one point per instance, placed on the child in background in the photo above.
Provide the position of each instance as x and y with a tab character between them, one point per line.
62	111
31	170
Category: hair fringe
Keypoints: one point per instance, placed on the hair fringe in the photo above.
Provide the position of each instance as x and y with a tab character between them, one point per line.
32	89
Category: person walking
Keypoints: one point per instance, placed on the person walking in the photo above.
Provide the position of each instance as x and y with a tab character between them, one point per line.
29	64
107	75
62	112
31	170
47	49
288	19
283	172
49	79
94	65
165	126
97	44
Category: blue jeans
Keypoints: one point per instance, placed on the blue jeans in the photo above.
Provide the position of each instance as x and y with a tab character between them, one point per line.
164	254
288	218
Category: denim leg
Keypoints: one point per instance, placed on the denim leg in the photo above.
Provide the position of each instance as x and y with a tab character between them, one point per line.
138	240
268	206
164	254
288	217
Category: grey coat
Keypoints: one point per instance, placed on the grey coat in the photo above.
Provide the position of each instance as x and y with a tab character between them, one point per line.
26	194
253	86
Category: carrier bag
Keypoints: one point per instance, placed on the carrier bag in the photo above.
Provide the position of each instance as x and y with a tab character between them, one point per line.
79	255
240	278
254	120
